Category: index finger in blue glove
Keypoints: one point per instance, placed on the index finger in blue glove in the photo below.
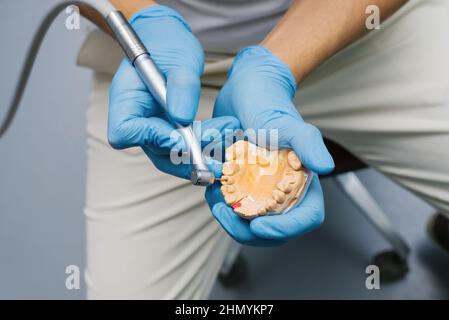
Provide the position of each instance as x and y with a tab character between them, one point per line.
151	131
132	117
132	106
308	215
183	95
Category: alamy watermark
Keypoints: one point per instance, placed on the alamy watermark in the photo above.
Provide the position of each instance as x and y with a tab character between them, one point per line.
72	281
372	22
372	281
214	142
73	19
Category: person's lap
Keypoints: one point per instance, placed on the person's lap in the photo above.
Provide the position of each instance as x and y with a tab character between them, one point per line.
385	99
149	235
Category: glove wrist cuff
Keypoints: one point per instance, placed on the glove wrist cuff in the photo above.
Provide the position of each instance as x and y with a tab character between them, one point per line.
158	11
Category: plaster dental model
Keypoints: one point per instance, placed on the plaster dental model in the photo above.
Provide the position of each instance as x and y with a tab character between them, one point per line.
258	182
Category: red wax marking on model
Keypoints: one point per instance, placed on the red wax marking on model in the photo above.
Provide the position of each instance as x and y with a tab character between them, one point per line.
236	205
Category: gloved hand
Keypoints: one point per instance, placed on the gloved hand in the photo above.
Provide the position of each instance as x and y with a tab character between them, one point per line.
259	92
135	118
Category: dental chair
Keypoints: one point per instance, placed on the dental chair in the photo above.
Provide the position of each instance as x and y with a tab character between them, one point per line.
392	263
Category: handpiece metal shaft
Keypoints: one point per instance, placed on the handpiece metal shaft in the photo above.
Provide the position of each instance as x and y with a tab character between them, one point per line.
140	58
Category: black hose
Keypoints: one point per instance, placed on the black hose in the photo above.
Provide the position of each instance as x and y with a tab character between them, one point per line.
101	6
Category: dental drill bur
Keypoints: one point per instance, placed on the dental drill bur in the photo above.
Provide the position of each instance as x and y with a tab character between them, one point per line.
140	58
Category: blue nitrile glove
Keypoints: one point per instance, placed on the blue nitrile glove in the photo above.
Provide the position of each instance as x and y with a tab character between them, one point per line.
259	92
135	118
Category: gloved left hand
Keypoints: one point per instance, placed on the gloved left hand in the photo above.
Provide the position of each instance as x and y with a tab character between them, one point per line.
259	93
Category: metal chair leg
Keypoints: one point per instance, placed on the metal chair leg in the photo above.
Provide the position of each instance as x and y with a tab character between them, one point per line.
393	263
233	268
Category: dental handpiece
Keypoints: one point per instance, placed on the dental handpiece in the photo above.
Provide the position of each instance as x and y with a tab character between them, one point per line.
140	58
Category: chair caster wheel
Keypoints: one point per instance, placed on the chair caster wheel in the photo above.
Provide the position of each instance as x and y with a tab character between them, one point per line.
235	275
391	265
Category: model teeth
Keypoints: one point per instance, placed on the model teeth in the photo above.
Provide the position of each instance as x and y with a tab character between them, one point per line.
243	213
235	151
279	196
271	205
293	161
230	154
230	168
227	180
285	186
291	179
262	159
252	189
230	198
228	189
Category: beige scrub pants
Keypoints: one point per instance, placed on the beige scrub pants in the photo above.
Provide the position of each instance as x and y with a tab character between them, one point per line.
385	98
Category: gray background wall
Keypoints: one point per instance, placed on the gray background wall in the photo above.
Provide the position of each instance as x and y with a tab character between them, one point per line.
42	158
42	174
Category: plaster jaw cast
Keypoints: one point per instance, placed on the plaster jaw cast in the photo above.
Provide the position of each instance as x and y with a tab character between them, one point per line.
258	182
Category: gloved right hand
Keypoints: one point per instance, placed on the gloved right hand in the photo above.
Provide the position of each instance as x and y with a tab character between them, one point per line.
259	93
135	118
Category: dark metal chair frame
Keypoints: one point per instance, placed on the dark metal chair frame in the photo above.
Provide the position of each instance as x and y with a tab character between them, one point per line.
392	263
